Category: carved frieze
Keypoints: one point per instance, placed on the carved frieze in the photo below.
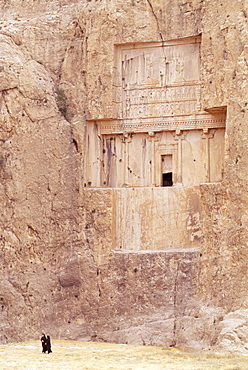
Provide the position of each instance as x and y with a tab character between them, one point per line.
191	122
164	101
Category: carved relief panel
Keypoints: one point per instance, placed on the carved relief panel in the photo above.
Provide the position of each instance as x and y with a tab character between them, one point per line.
159	80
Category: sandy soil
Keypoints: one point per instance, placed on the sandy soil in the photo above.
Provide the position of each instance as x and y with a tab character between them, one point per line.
101	356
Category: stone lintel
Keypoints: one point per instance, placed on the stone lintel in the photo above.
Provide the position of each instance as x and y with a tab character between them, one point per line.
139	125
172	42
214	110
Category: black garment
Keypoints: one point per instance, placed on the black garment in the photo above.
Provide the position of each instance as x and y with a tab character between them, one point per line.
44	343
48	344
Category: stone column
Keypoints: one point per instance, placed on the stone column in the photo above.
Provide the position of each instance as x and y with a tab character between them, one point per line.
154	137
179	136
207	135
126	140
151	138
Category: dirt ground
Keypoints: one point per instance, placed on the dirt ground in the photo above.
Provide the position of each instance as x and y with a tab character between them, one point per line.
102	356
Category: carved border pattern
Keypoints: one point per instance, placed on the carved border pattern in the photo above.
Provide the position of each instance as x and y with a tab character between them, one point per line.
160	124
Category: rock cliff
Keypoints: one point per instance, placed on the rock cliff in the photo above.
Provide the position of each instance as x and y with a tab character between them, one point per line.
62	267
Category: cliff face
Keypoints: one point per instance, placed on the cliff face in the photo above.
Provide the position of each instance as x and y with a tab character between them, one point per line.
62	269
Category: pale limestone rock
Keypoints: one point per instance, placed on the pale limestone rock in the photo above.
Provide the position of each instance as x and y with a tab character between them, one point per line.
233	332
141	263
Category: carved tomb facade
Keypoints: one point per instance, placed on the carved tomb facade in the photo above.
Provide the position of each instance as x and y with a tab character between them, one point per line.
159	134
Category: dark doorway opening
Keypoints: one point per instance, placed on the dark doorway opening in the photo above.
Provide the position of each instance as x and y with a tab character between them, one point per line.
167	179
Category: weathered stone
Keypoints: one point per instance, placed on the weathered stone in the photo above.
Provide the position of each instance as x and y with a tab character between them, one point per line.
233	332
123	171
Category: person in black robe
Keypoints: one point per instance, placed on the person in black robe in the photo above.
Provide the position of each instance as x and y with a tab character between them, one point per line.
44	343
48	344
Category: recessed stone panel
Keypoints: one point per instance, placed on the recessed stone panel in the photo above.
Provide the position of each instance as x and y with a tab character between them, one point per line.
155	80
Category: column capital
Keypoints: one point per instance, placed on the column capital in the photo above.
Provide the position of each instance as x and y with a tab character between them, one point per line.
208	133
178	134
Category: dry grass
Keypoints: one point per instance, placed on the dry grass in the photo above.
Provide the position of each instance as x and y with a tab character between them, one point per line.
71	355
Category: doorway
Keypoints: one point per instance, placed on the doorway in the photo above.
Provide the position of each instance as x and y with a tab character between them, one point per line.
166	166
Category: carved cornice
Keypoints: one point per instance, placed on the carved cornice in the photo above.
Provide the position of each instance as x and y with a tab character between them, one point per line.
192	122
